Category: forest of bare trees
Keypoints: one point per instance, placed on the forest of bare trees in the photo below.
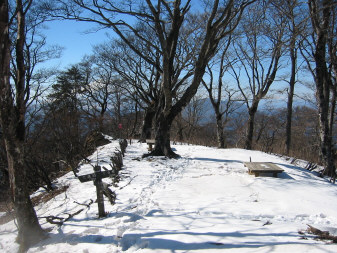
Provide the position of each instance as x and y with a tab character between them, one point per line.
202	72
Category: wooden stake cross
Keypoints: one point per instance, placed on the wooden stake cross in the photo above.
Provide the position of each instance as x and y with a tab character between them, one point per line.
97	178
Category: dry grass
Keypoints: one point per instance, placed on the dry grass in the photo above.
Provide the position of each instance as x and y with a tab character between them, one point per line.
7	206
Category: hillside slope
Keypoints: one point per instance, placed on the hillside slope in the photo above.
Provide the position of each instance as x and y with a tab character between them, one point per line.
203	202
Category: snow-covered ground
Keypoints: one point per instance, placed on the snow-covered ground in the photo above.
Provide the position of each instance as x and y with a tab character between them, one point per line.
203	202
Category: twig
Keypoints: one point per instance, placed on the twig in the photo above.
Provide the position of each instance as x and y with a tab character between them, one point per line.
87	205
127	183
51	219
73	214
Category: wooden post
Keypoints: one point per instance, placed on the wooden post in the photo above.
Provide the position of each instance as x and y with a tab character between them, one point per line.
99	190
97	178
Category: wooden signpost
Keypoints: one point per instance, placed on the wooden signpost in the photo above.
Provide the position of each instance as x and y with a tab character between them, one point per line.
97	178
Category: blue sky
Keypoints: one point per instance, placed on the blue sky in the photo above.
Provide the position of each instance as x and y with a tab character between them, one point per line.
75	38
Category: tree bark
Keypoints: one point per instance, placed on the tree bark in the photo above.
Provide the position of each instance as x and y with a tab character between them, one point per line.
294	29
162	139
147	124
220	133
293	56
326	141
333	109
133	131
250	130
29	229
12	117
323	81
180	127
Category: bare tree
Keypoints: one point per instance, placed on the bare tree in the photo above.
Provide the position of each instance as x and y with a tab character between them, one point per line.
332	55
192	116
218	26
12	117
97	89
223	104
269	126
295	21
140	79
166	19
323	53
258	51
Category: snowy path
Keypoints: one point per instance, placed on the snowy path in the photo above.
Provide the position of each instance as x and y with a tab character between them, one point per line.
203	202
216	206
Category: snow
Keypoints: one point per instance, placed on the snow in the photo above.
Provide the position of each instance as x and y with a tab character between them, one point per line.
203	202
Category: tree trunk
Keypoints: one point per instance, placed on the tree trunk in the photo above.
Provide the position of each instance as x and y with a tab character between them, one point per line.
101	121
333	109
147	124
163	122
290	99
326	145
323	82
12	118
220	133
29	230
326	148
180	127
135	123
162	138
250	131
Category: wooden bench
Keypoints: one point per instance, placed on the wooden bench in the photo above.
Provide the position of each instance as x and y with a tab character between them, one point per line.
258	167
150	143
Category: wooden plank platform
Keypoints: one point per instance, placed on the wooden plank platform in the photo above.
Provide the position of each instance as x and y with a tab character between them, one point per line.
259	167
